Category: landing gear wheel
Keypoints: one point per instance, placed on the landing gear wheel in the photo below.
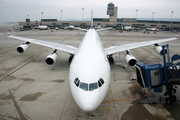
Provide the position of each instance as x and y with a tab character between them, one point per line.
111	59
163	100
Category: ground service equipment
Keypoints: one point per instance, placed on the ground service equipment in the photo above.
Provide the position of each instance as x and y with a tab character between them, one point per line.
157	76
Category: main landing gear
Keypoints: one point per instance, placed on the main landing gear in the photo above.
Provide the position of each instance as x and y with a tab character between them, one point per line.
70	58
111	59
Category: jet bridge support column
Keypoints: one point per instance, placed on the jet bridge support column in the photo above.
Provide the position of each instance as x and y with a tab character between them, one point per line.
171	74
156	76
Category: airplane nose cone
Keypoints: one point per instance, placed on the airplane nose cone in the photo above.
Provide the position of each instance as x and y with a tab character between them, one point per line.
87	108
88	102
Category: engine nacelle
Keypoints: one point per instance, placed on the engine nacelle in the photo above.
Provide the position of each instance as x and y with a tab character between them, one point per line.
159	50
23	48
51	59
130	59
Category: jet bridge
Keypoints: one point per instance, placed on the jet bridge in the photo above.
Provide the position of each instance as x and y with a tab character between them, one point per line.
157	76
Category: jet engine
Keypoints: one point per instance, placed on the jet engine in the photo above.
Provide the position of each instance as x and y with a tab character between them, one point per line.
130	59
24	47
158	49
51	59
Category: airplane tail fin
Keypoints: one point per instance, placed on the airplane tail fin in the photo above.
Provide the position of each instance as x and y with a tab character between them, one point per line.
92	18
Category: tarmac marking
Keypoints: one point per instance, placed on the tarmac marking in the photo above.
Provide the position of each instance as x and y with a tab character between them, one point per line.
106	108
20	67
21	115
125	99
31	97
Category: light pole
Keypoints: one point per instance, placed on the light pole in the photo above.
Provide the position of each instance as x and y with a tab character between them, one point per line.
61	15
28	16
171	19
42	17
82	14
136	17
152	16
136	14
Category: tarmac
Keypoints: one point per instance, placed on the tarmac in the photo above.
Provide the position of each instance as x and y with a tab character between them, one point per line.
32	90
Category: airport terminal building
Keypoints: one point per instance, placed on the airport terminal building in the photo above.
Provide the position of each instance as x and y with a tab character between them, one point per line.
112	21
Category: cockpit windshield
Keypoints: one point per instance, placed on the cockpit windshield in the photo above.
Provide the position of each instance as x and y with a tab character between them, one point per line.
84	86
93	86
100	82
76	81
89	87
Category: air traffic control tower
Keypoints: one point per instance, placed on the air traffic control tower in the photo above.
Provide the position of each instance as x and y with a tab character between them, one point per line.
112	12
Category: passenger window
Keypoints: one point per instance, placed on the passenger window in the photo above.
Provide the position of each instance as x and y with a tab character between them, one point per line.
84	86
93	86
76	82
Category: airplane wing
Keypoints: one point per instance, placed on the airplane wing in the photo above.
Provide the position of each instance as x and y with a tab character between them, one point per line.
53	45
116	49
81	29
78	28
104	29
96	30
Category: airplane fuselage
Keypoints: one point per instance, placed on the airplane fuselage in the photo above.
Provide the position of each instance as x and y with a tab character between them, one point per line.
89	73
127	28
43	27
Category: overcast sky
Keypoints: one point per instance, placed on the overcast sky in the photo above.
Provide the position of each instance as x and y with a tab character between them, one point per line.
17	10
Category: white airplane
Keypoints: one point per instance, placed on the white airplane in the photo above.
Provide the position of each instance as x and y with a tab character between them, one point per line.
70	27
43	27
98	27
152	29
90	72
128	28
